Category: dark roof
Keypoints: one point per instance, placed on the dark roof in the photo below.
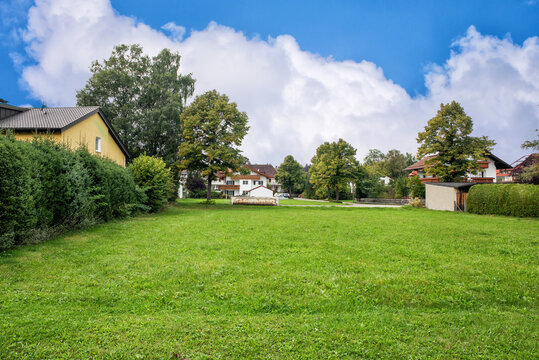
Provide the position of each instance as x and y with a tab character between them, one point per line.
11	107
452	184
499	163
48	118
264	169
56	118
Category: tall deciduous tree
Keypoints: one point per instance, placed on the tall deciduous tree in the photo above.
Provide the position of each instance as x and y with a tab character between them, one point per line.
448	136
394	163
142	97
213	130
333	166
290	174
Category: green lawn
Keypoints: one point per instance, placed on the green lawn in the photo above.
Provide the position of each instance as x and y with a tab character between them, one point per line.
223	282
309	202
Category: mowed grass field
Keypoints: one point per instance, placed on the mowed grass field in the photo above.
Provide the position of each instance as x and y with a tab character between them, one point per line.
224	282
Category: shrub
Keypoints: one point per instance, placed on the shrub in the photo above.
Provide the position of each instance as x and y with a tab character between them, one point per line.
152	175
46	188
504	199
416	202
417	188
400	185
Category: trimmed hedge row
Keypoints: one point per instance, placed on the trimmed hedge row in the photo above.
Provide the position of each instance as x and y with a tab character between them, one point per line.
504	199
46	188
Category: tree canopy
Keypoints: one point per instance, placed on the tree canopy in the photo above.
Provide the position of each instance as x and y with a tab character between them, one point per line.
142	97
333	167
447	135
290	174
213	130
531	173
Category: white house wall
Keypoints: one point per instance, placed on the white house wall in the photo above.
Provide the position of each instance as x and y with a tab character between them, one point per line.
261	192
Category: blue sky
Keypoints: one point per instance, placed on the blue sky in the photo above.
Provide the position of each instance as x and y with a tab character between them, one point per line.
394	61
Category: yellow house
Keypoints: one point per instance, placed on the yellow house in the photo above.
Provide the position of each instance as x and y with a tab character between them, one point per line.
73	126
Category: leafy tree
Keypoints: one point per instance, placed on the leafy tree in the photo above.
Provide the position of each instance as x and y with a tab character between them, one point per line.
448	135
290	174
3	101
333	167
194	182
531	172
400	185
373	156
142	97
213	130
368	184
394	164
532	144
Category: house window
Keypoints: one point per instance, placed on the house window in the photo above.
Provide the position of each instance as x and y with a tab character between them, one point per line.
98	144
245	192
230	182
230	192
245	182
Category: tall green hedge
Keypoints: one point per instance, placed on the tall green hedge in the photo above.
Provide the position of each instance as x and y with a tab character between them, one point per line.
45	187
504	199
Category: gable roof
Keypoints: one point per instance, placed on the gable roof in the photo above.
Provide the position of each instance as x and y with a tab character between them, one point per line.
500	164
259	186
420	164
266	170
57	118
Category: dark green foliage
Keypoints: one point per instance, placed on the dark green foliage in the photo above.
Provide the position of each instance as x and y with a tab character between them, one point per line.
46	188
368	185
195	183
290	175
17	192
151	174
142	97
400	185
504	199
448	136
333	166
213	130
417	189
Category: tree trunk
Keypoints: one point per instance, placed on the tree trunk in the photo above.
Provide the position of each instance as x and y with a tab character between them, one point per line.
336	194
328	193
208	194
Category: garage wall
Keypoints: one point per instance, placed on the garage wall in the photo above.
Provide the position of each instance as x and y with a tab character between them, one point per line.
440	197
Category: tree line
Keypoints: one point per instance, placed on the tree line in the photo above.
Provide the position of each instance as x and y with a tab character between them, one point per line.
145	99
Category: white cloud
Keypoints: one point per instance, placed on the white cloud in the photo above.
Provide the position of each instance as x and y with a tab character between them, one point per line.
296	99
176	31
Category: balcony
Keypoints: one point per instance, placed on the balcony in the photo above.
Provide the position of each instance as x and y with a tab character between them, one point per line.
481	180
229	187
431	179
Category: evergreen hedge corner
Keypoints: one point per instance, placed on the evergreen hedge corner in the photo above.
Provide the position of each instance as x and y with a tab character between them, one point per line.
520	200
46	188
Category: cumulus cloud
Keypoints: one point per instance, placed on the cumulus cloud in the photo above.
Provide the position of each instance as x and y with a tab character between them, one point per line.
296	99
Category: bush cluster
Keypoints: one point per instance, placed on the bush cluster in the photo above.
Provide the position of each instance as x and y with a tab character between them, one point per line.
153	176
504	199
46	188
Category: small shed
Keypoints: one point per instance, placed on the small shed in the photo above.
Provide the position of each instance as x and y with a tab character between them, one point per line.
261	191
448	196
